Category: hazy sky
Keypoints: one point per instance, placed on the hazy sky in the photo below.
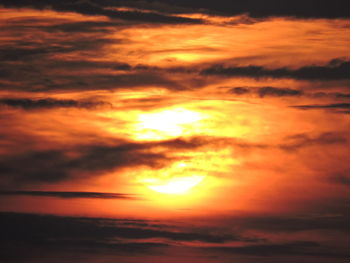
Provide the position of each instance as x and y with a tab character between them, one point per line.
174	131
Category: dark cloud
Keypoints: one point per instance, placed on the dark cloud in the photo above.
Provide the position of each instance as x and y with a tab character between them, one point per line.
54	25
336	95
305	248
331	218
343	179
88	65
256	8
27	50
82	27
69	195
311	8
48	103
240	90
304	140
40	229
58	165
342	95
324	106
278	92
287	92
94	8
107	236
331	71
266	91
39	81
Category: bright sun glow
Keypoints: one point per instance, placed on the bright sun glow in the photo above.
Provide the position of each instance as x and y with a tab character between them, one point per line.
166	124
179	185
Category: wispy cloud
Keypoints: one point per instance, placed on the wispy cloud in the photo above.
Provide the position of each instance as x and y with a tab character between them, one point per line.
48	103
69	195
331	71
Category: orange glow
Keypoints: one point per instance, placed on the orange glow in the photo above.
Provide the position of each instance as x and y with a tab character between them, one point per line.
168	133
174	131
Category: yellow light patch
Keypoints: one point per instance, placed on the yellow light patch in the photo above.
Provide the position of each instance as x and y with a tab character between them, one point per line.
178	185
166	124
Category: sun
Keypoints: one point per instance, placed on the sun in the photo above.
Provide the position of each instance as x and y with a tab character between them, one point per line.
163	125
175	179
178	185
166	124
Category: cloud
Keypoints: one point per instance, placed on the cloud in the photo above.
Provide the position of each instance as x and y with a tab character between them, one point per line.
312	8
304	140
94	8
33	81
278	92
48	103
108	236
331	71
239	90
263	92
65	231
58	165
309	9
343	179
69	195
330	217
305	248
295	248
324	106
53	25
27	50
336	95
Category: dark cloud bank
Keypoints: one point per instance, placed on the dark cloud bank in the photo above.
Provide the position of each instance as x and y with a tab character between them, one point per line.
32	233
334	70
94	8
267	91
255	8
68	195
48	103
57	165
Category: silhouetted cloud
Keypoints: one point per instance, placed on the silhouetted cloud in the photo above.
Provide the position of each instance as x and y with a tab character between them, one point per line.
48	103
255	8
278	92
27	50
324	106
239	90
39	229
266	91
94	8
305	248
331	71
79	27
105	235
336	95
69	195
304	140
331	218
311	8
57	165
343	179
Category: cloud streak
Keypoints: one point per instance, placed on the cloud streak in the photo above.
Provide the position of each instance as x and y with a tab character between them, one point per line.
93	8
311	9
331	71
68	195
48	103
59	165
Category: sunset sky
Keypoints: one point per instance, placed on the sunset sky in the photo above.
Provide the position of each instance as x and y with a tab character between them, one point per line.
166	131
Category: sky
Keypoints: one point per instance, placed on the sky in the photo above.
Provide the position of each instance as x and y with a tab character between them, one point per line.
174	131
